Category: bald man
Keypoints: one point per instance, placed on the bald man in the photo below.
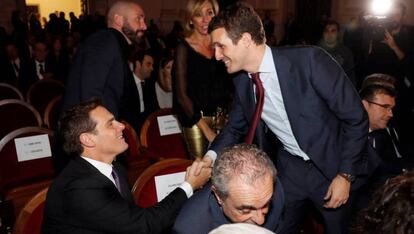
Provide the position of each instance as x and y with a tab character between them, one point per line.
100	68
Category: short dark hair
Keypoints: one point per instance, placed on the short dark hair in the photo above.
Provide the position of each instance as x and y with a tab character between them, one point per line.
76	121
245	161
332	22
369	92
139	56
379	79
237	19
391	209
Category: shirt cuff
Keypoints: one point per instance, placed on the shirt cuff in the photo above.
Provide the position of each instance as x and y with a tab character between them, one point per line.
213	155
187	188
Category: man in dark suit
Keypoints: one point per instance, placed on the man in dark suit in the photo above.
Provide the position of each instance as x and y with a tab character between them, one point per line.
91	195
100	67
378	99
143	65
10	64
309	105
244	190
37	68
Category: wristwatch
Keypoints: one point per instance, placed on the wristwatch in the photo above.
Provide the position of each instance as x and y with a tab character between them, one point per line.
350	178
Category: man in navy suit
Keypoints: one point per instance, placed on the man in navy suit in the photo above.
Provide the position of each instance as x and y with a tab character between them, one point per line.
244	189
311	110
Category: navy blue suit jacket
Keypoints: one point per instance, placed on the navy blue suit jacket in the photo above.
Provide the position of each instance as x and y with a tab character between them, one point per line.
202	213
324	110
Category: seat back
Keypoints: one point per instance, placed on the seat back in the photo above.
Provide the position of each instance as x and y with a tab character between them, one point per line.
17	114
30	217
132	139
42	92
167	146
14	173
8	91
144	191
52	112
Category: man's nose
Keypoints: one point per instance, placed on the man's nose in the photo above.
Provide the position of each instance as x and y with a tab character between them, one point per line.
258	217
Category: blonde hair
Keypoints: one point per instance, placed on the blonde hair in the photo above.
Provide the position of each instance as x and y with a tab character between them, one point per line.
192	8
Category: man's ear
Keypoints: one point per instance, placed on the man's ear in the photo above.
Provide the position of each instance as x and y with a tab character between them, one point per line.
213	189
86	140
246	39
365	103
119	20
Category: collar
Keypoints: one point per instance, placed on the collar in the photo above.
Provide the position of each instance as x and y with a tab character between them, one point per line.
267	64
104	168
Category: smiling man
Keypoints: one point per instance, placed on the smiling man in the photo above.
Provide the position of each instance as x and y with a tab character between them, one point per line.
312	121
92	195
244	189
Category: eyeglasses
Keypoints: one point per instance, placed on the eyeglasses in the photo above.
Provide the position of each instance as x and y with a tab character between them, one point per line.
385	106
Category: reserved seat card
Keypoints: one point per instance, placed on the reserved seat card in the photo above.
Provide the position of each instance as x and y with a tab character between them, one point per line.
33	147
165	184
168	125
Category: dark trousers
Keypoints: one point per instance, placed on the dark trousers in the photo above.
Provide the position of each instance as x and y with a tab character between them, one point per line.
303	182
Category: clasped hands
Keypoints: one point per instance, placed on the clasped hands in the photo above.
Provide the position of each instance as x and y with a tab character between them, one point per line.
199	172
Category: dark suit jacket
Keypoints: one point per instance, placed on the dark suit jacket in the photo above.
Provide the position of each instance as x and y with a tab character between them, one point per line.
83	200
100	69
202	213
324	110
28	73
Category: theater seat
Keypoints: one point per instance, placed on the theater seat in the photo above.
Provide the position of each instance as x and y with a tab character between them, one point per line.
20	180
42	92
145	194
8	91
30	217
167	146
17	114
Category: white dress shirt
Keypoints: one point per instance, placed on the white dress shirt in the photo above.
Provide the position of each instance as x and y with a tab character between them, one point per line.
140	92
274	111
38	69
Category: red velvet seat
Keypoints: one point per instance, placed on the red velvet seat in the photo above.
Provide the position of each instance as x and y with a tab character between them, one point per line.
30	217
12	171
52	112
144	191
135	160
42	92
20	180
168	146
8	91
17	114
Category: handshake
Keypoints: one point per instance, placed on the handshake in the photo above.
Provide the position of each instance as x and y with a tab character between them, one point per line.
199	172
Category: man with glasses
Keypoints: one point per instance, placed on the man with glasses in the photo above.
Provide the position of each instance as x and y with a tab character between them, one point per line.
379	101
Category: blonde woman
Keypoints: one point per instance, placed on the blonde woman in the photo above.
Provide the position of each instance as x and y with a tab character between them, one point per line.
201	84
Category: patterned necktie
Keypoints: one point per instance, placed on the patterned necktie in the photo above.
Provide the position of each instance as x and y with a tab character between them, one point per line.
259	107
116	179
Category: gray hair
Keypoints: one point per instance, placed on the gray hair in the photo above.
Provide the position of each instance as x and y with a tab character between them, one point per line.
245	161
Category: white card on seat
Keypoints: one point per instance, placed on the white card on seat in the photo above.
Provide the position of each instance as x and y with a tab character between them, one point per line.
168	125
167	183
33	147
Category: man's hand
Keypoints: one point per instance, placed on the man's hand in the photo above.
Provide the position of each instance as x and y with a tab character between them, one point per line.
197	181
205	162
389	40
338	193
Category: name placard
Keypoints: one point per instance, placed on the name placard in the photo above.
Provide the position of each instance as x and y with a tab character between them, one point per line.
168	125
33	147
165	184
